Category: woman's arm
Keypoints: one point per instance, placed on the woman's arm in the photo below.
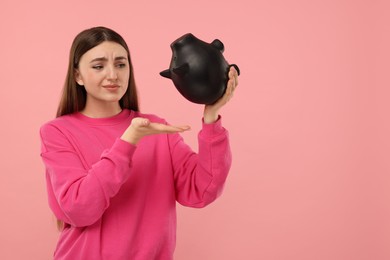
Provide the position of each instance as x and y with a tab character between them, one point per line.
200	177
79	196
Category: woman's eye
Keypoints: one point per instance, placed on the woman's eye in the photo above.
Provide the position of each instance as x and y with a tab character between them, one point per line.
98	67
121	65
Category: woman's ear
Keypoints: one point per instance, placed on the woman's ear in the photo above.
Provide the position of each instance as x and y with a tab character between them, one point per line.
78	78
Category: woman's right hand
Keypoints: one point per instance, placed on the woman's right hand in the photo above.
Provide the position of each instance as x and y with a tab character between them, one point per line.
141	127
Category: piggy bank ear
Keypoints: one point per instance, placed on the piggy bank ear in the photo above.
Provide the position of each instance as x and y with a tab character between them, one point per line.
218	45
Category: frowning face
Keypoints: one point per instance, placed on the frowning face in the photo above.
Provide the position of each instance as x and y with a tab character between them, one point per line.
104	72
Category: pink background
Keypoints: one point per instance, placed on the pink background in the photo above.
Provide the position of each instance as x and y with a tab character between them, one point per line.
309	122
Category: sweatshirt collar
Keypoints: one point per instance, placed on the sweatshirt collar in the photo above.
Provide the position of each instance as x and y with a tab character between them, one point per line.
113	120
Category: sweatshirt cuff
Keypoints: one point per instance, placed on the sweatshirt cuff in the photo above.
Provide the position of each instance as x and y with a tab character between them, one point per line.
213	128
123	148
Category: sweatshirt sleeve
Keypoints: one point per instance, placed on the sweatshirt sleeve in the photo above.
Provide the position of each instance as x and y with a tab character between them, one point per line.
200	177
77	195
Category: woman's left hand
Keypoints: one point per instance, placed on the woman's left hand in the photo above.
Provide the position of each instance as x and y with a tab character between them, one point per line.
211	112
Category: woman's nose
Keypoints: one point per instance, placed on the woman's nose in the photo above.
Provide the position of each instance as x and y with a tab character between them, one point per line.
111	73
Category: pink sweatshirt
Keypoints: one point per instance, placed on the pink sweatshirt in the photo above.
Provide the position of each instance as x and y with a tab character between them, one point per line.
118	200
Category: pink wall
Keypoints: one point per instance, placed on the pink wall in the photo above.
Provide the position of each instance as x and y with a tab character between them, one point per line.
309	122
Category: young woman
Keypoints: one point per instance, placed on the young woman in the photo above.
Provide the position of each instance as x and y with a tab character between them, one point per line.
114	174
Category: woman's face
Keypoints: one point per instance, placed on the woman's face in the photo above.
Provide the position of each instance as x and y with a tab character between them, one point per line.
104	72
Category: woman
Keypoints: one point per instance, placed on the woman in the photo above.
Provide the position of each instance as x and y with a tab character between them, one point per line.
114	174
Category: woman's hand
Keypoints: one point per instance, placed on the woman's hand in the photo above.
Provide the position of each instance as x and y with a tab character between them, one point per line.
141	127
211	112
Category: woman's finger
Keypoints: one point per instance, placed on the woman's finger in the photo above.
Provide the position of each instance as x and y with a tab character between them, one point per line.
139	121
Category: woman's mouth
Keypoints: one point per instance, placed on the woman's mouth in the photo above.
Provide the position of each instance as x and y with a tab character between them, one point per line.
111	87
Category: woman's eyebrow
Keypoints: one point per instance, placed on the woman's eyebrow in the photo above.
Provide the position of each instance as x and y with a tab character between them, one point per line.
121	58
105	59
99	59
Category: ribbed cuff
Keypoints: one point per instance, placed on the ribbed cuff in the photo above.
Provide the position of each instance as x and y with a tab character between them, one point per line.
213	128
123	148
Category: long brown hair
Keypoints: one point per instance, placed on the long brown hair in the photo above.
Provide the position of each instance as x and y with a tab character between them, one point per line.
74	96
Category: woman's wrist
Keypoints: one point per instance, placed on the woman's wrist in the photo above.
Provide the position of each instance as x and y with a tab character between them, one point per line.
210	117
129	137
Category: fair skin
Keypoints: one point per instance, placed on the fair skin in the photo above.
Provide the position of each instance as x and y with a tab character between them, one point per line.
104	72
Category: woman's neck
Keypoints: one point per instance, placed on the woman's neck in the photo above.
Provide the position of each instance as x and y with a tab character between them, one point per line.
101	111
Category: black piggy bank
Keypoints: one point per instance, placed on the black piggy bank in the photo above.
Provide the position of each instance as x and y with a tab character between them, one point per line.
198	69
